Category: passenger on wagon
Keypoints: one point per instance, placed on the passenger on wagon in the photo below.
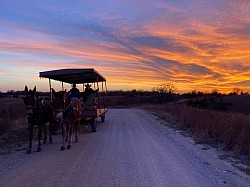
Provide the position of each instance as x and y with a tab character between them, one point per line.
74	92
88	91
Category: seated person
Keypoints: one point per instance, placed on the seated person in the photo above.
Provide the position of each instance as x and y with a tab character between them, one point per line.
87	92
90	103
74	92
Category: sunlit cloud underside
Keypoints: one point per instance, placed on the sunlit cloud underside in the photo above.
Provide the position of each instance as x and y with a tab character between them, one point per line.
193	45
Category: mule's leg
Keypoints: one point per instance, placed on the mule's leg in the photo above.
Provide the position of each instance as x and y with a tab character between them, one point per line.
67	132
63	125
50	133
47	129
93	124
45	135
70	134
40	130
30	139
77	126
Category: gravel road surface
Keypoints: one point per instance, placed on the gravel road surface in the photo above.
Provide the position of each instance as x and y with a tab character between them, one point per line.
131	148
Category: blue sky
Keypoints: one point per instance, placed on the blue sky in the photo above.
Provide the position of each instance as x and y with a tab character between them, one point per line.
139	44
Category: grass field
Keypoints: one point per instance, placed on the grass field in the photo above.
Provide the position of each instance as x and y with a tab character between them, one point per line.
13	125
230	126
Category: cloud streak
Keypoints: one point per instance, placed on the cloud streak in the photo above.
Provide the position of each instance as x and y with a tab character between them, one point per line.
195	45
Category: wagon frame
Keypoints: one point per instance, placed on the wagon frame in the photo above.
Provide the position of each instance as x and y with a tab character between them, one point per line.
83	76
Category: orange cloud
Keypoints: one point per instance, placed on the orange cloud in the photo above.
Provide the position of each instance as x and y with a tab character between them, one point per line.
193	45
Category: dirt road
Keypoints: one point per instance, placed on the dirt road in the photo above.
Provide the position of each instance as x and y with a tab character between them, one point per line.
129	149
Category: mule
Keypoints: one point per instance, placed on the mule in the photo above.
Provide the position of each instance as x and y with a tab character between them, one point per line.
60	100
39	114
69	112
71	121
60	103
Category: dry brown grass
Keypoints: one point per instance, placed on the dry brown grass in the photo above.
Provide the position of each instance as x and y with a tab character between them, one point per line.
230	129
12	114
13	124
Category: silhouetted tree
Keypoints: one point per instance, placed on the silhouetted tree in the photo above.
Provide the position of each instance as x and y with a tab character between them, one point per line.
165	88
236	91
214	92
165	92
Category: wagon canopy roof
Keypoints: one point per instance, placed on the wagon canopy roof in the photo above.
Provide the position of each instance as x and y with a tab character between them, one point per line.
71	76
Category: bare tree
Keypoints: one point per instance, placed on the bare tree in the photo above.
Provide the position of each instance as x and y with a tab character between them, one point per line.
236	91
165	88
165	92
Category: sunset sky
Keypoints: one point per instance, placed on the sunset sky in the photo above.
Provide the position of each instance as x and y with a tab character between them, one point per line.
136	44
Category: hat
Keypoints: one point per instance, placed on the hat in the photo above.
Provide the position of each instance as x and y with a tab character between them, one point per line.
88	85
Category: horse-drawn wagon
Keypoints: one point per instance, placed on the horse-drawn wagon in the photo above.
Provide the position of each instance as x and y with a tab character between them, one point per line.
97	104
61	110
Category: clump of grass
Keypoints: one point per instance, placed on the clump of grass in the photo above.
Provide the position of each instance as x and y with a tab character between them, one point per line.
12	115
5	125
233	130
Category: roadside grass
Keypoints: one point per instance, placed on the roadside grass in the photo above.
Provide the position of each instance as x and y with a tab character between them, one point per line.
12	114
13	125
229	129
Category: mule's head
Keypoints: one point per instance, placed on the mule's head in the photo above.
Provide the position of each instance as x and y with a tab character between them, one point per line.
76	109
30	100
60	102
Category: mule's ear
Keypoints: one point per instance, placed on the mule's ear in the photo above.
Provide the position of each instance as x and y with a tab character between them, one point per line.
34	90
26	89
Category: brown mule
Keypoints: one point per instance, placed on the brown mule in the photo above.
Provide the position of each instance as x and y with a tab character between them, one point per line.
71	120
60	100
60	103
40	114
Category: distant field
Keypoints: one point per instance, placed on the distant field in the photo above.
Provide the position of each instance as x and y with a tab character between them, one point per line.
12	114
228	103
13	125
226	118
238	103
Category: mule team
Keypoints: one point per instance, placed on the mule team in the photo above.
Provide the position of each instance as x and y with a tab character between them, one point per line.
42	113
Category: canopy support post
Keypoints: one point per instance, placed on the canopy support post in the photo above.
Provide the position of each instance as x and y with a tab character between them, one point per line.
50	90
62	86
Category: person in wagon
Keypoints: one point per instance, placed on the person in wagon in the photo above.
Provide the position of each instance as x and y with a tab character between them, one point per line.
88	90
74	92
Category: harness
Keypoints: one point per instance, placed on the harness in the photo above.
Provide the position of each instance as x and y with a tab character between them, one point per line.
69	111
39	113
